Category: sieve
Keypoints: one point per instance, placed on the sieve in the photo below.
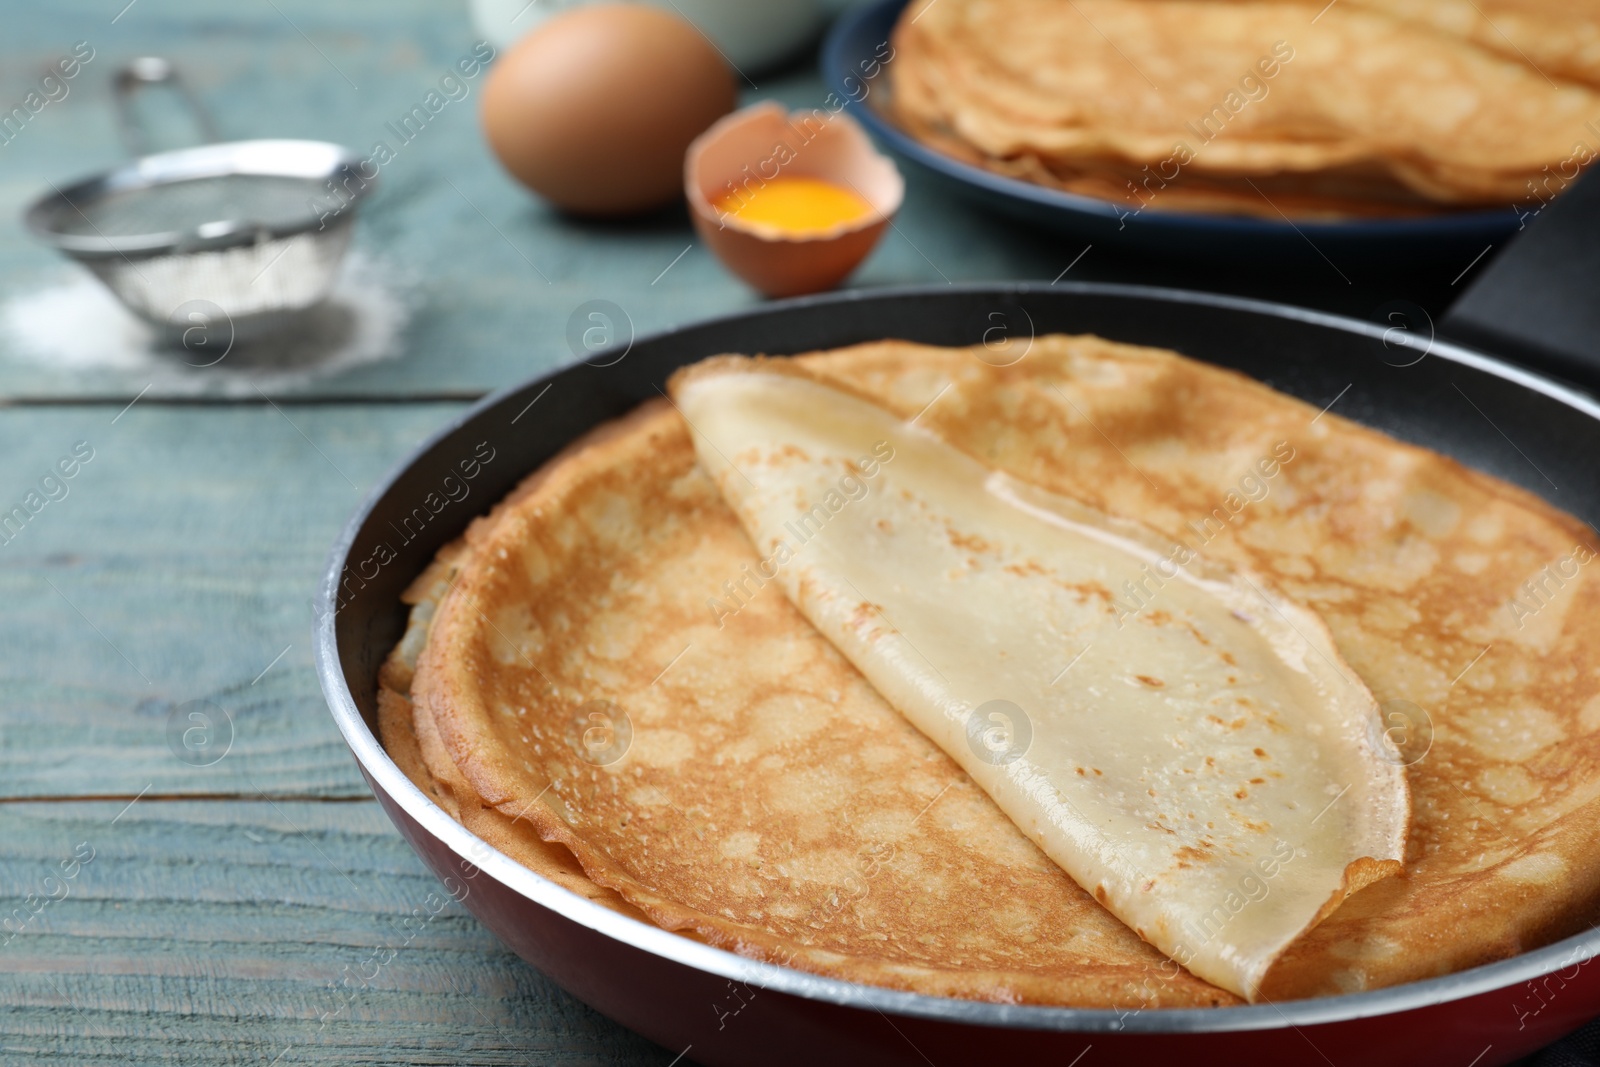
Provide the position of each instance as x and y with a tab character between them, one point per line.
210	244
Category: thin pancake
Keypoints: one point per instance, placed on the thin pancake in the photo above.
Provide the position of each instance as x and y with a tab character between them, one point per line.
410	737
1181	740
1245	106
1411	559
1560	38
1407	555
769	801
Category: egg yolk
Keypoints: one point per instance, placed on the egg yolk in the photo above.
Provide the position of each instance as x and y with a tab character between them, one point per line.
796	206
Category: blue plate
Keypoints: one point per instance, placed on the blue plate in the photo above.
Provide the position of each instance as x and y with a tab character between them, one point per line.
853	66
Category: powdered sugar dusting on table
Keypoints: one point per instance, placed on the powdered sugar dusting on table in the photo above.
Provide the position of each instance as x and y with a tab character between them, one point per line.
77	326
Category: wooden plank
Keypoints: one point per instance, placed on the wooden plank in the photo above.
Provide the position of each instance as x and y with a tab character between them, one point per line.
490	273
179	567
221	932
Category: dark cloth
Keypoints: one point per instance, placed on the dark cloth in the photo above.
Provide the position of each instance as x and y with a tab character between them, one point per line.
1578	1049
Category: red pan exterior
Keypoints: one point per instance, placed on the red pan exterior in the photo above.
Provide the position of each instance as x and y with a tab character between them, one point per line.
726	1023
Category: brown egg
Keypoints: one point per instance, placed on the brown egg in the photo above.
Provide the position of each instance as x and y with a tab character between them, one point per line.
594	109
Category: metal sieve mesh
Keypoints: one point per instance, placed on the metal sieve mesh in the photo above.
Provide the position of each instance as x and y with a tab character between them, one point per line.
243	235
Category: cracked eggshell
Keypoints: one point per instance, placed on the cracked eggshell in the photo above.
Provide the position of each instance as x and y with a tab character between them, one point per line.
759	143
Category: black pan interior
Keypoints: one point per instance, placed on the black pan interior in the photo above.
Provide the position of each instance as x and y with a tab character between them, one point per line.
1396	382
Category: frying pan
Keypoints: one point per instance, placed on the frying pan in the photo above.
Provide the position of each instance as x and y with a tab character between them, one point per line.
724	1009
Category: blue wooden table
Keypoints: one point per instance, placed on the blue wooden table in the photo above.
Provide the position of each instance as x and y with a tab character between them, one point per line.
205	898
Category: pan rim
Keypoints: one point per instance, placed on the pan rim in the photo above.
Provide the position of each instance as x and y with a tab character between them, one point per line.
381	769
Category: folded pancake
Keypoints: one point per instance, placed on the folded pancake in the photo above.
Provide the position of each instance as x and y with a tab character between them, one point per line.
1174	735
768	800
1426	572
1249	106
766	832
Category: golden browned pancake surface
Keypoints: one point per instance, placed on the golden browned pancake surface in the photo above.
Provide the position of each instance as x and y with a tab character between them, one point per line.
1258	107
770	802
1412	560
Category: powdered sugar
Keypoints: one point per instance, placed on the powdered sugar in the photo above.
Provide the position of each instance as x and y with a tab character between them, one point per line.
77	326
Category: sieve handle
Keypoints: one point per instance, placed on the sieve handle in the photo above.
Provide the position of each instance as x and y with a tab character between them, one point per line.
142	73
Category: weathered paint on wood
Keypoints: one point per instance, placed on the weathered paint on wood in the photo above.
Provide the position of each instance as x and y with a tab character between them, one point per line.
254	933
179	567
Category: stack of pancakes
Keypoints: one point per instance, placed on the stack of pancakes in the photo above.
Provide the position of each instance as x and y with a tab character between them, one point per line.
1272	108
568	690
